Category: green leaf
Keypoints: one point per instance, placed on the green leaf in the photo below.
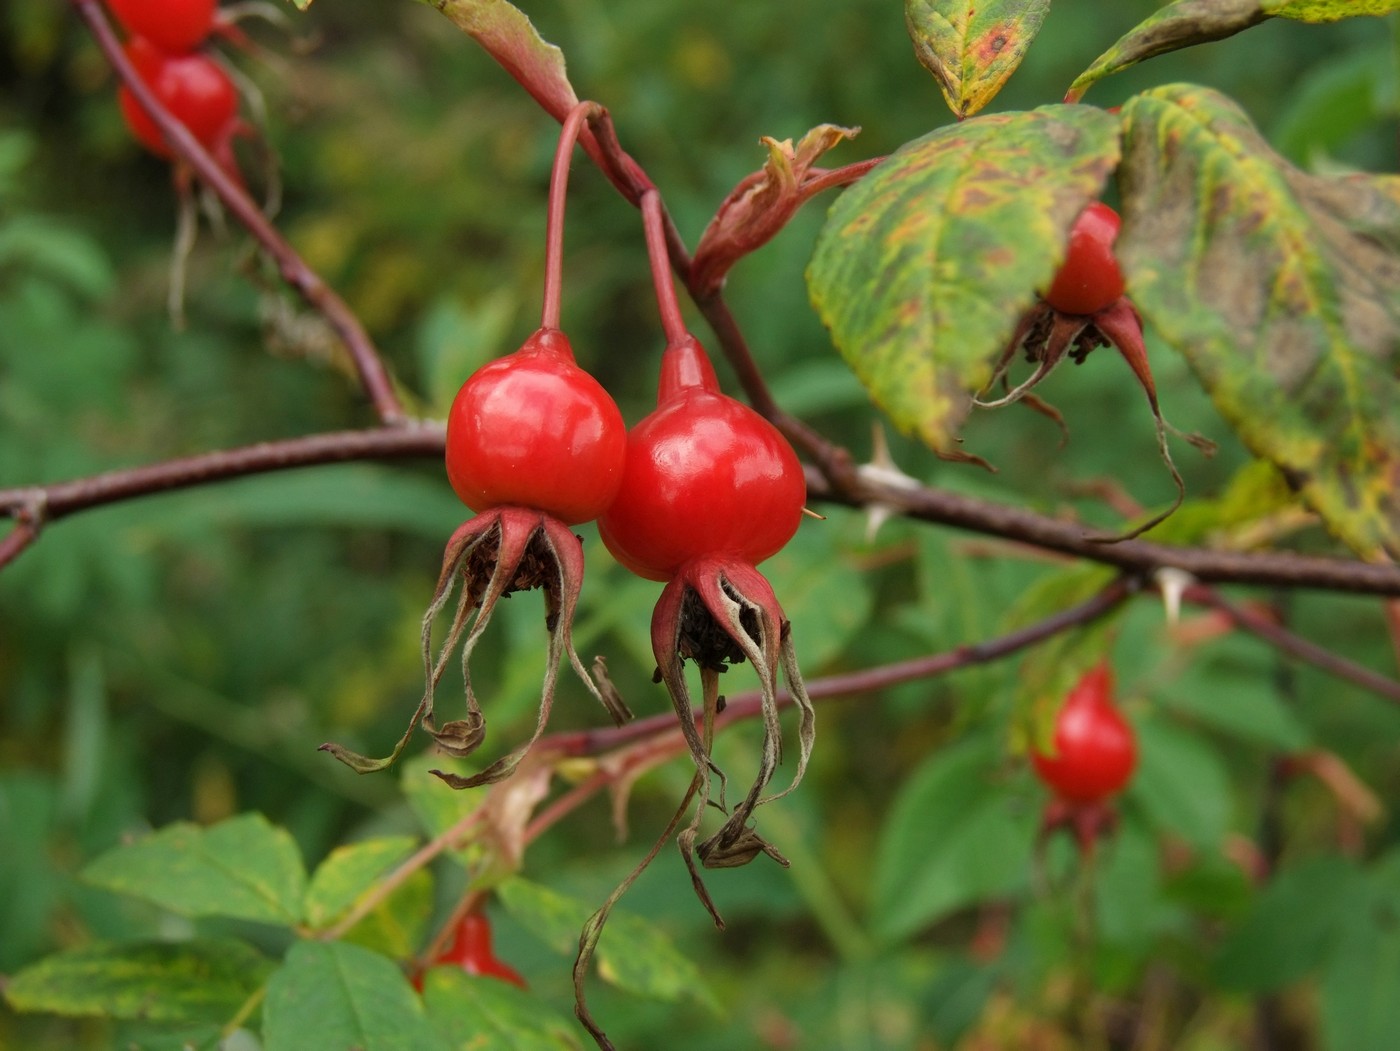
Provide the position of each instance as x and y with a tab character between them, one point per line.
1359	1008
1285	935
1177	25
1235	693
1181	784
507	35
1334	101
395	926
485	1014
1328	10
329	996
925	265
1282	291
972	46
243	867
348	872
953	837
634	954
1128	901
155	981
40	243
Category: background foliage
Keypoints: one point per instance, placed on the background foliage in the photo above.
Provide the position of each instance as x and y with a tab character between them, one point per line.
179	658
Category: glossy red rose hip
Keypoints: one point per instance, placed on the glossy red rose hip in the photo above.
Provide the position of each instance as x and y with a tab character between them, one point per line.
1094	750
174	26
534	430
1089	279
706	476
194	88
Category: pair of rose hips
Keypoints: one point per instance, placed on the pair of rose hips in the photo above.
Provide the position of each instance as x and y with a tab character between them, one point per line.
696	494
165	45
701	476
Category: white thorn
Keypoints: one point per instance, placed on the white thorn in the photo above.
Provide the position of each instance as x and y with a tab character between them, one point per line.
1172	583
882	471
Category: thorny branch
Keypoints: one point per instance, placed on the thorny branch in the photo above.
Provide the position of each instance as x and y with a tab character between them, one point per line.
834	477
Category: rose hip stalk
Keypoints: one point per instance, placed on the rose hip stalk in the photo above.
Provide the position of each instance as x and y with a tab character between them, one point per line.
534	446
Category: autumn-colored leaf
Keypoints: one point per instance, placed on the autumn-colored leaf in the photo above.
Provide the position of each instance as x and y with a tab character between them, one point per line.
925	266
1186	22
1328	10
510	38
1178	25
972	46
1282	289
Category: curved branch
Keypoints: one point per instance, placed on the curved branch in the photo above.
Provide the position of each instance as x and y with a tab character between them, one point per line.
748	705
1280	569
1276	635
33	506
374	377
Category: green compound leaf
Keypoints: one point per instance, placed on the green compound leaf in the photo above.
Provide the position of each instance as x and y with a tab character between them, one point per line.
329	996
1188	22
972	46
175	982
1282	290
508	36
485	1014
926	264
243	867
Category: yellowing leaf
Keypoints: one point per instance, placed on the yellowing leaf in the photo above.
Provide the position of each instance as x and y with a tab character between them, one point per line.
926	264
1328	10
972	46
509	37
1282	289
243	867
1175	26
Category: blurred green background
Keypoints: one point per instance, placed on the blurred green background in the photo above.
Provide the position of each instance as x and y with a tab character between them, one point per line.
181	657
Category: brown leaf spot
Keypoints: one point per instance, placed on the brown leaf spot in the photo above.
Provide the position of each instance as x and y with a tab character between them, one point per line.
994	41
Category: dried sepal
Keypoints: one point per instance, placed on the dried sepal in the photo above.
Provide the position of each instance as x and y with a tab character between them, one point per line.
500	551
716	612
1046	337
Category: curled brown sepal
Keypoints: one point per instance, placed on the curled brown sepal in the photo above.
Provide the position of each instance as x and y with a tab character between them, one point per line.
718	611
500	551
1047	337
763	202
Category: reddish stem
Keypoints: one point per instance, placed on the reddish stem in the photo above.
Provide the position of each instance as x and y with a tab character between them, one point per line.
748	705
34	506
658	253
554	223
374	377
